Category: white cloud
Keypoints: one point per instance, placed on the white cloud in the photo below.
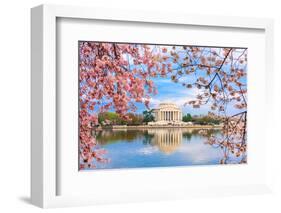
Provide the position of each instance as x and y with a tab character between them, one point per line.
180	98
149	150
199	152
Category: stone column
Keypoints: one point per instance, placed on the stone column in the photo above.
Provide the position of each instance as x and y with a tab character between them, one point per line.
169	115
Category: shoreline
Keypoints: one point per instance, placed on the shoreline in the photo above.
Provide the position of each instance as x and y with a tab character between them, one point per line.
124	127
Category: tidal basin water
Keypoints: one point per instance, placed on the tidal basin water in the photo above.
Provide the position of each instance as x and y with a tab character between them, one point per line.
156	148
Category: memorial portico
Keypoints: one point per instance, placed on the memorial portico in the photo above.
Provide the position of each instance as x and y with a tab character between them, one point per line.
168	112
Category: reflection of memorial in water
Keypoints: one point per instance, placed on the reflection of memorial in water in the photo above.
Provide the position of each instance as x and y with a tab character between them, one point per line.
167	140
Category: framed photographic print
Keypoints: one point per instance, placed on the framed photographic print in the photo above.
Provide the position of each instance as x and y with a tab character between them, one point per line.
151	105
137	106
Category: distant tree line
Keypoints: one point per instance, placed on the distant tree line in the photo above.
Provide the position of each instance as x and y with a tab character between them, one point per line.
112	118
203	119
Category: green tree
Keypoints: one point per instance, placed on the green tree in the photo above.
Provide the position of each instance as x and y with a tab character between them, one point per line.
187	118
112	117
206	119
134	119
148	116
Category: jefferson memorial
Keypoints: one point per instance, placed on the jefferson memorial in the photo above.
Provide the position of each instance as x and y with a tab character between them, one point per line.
167	114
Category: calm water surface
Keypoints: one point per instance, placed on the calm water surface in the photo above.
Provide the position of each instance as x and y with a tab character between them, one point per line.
156	148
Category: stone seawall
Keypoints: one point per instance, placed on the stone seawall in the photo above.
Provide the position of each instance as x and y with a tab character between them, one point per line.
166	126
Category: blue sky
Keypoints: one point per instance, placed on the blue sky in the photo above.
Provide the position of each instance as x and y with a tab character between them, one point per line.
172	92
169	91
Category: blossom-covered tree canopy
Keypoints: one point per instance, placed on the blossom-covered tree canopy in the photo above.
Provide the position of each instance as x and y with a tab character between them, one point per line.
117	76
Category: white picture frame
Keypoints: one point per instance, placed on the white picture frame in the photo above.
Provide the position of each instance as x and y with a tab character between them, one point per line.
44	155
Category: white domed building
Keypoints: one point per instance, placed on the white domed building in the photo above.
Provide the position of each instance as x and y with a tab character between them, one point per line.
167	114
